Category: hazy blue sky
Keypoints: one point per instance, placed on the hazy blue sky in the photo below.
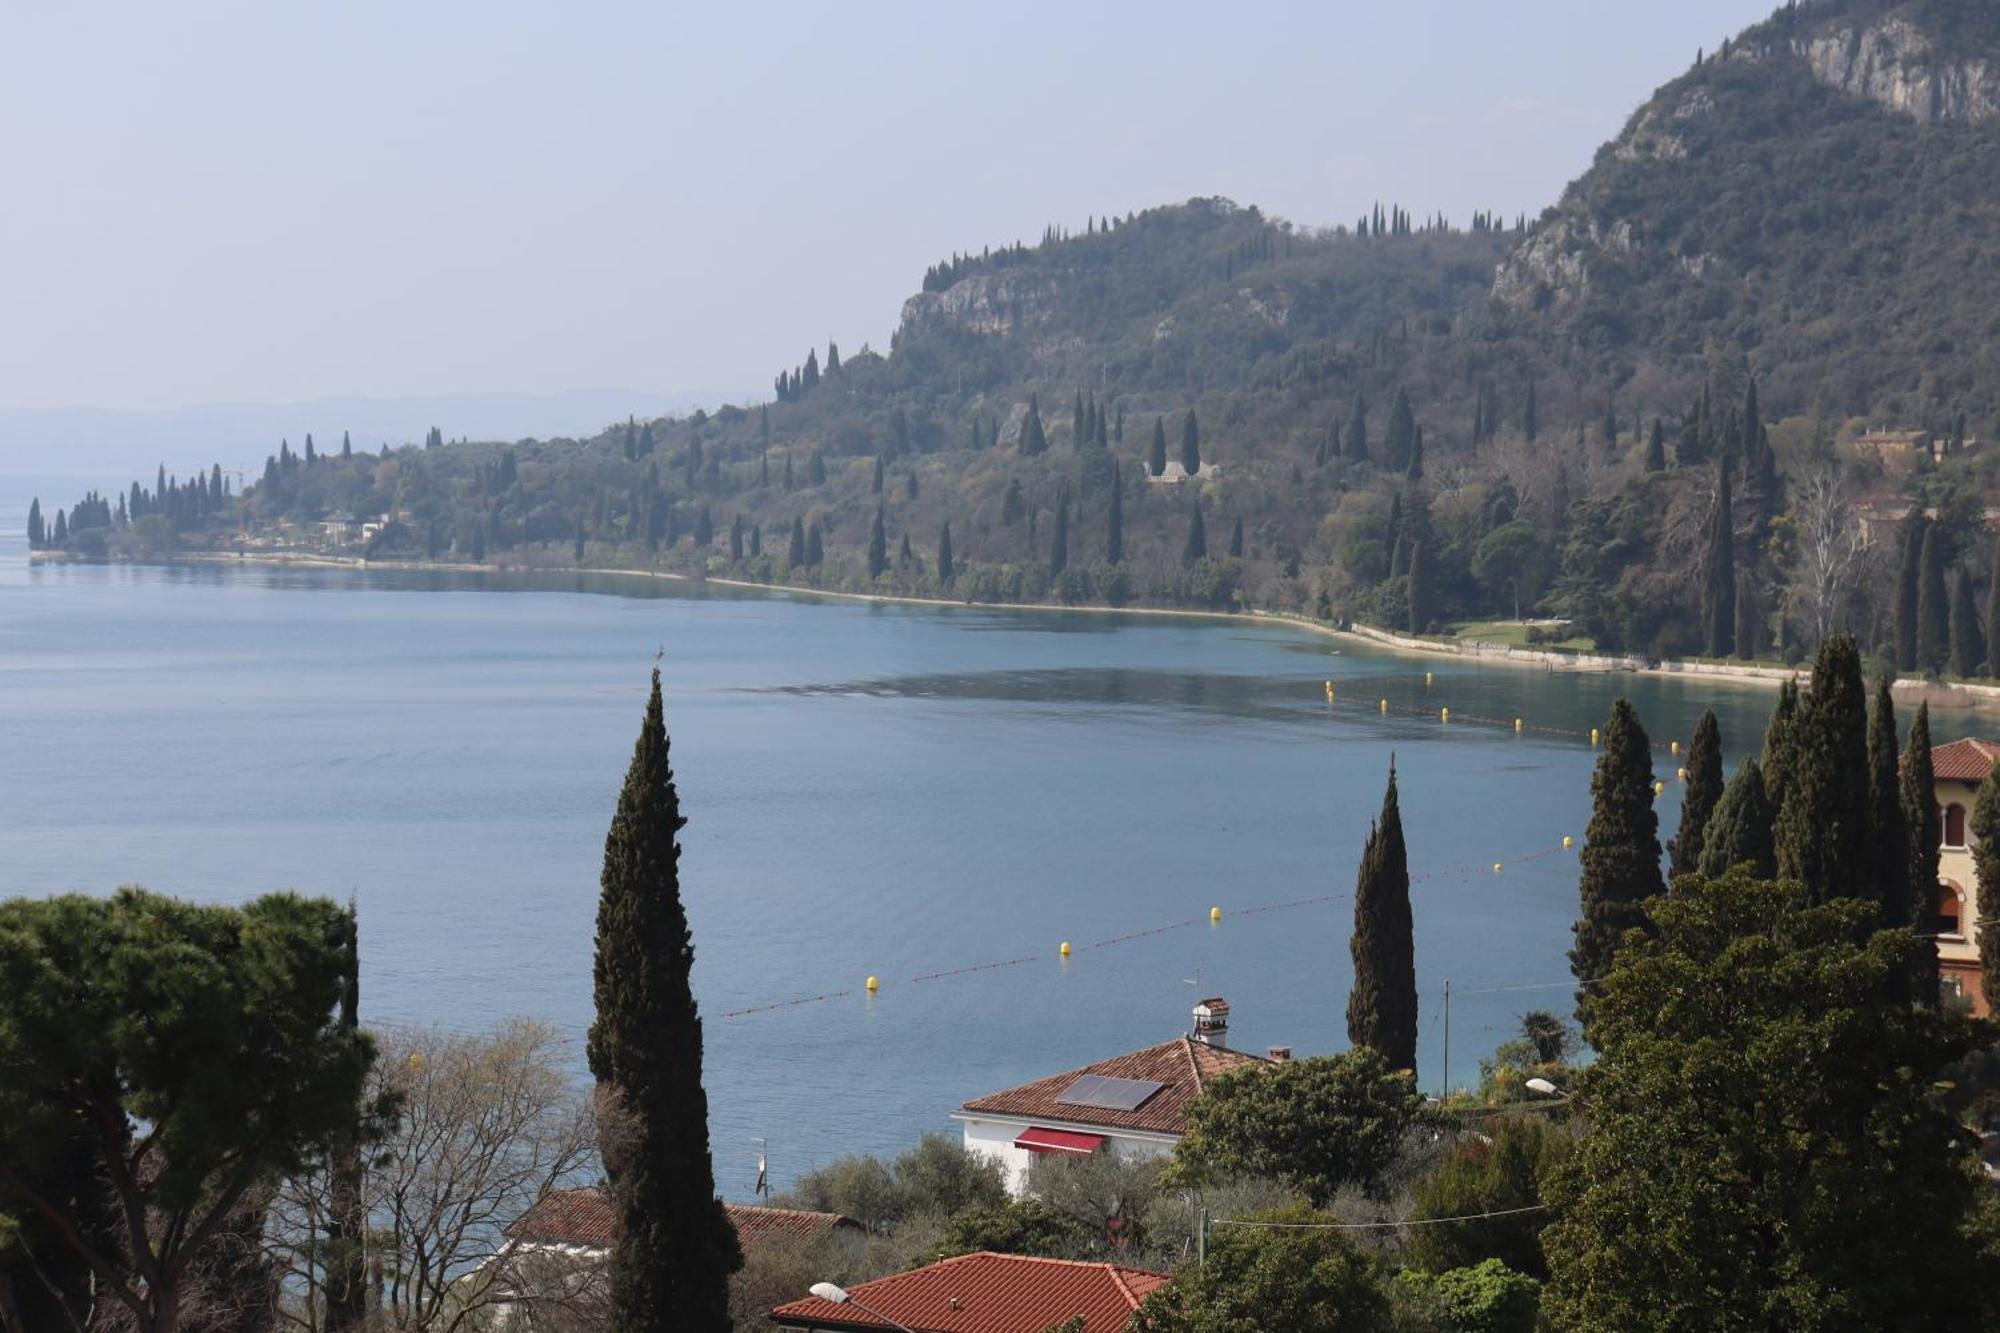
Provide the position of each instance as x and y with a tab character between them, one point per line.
259	201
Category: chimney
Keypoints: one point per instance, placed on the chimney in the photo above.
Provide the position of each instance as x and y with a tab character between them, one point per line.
1211	1021
1279	1055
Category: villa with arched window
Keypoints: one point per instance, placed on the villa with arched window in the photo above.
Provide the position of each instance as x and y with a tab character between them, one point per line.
1959	769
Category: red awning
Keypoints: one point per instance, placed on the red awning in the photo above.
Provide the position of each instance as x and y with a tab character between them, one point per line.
1059	1140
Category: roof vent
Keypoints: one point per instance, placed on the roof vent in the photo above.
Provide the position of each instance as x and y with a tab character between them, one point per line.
1211	1021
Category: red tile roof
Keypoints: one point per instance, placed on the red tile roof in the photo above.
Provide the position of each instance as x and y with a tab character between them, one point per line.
1184	1065
988	1293
1969	760
583	1217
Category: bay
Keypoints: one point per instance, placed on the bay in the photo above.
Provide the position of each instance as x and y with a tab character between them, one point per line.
895	791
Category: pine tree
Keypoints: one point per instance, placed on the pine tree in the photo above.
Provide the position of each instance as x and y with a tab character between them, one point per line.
1382	1007
1700	794
1190	444
1823	817
1719	575
1993	617
1354	441
1156	459
1620	861
1986	861
1197	540
1059	543
1888	833
1933	606
1740	829
1968	639
1236	539
1909	589
1656	448
673	1247
1114	523
878	545
946	569
1917	792
1422	600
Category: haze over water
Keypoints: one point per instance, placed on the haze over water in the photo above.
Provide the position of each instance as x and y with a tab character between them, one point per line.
881	790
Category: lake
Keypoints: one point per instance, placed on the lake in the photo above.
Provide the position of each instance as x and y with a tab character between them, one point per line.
870	790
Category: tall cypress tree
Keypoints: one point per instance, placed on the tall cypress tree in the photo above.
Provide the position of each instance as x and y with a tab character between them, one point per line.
1699	796
946	569
1354	441
1156	457
1656	448
1402	432
1059	544
1986	860
1197	539
1236	539
673	1248
1918	796
1739	831
1190	444
1888	832
1781	743
1414	471
1034	440
1823	824
1909	585
1620	860
1719	575
1423	609
1382	1007
1933	605
795	555
1993	617
1114	523
1968	639
878	545
347	1220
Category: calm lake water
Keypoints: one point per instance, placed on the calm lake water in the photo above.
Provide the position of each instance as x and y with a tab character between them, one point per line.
895	791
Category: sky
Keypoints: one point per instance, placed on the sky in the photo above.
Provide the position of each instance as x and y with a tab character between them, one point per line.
274	203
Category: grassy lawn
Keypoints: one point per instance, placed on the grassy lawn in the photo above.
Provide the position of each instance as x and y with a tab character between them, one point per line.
1514	633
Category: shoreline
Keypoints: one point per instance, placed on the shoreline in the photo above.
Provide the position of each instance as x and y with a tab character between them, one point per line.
1478	652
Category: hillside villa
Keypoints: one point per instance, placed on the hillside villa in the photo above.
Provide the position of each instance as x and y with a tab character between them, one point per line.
1959	768
1134	1105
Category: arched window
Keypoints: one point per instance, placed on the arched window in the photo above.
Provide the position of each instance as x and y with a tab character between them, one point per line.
1954	825
1950	910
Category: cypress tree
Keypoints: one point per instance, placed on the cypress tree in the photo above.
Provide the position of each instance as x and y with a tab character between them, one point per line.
1197	540
816	468
1781	743
946	569
1888	832
36	534
704	529
1749	627
1739	830
1823	819
736	537
673	1247
1620	861
1968	640
1909	584
1918	796
878	474
1993	617
1382	1007
815	545
1402	432
1422	608
1156	458
1700	795
907	556
1933	608
878	545
756	541
1078	424
1190	444
1415	470
1059	543
1986	860
1354	441
1236	539
795	555
1719	586
1656	448
1114	524
1034	440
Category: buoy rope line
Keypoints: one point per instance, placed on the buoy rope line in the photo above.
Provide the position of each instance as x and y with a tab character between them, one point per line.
1372	689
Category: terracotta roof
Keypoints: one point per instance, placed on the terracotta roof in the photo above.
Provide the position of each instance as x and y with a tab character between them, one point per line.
583	1217
1969	760
988	1293
1185	1066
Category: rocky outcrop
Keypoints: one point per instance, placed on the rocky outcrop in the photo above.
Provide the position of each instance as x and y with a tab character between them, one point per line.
989	303
1551	269
1894	63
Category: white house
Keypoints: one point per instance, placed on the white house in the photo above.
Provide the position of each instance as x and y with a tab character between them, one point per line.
1133	1105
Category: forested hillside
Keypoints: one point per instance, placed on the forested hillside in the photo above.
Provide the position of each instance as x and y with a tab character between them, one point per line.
1636	413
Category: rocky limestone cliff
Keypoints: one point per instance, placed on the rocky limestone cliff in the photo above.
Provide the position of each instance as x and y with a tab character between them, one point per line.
1893	63
989	303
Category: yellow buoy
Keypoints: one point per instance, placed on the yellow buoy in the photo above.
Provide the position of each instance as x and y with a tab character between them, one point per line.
1385	706
874	984
1659	788
1593	735
1427	678
1519	726
1444	715
1568	842
1681	774
1215	914
1496	867
1065	948
1673	747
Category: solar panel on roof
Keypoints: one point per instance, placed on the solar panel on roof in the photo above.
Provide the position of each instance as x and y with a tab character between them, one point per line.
1109	1094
